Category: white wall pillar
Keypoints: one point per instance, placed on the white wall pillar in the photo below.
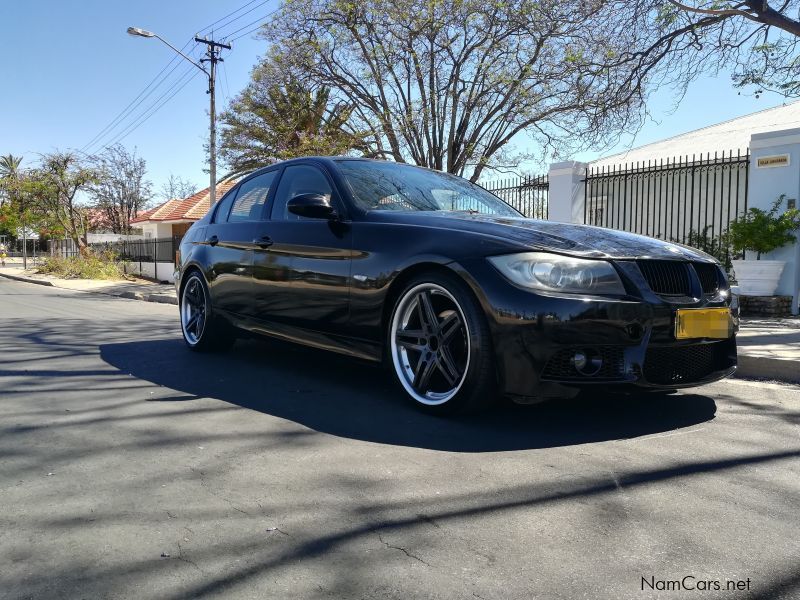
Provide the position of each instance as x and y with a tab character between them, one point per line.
766	184
566	197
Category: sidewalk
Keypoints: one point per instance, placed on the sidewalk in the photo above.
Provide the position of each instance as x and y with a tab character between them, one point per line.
140	289
768	348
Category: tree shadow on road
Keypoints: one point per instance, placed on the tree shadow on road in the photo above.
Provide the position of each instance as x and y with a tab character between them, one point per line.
352	399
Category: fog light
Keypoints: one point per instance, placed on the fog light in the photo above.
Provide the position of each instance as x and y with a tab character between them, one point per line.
587	362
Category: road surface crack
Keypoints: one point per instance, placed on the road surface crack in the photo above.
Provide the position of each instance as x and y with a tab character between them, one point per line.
403	550
204	485
188	561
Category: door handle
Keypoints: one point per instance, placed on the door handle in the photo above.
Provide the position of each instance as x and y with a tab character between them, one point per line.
263	242
212	241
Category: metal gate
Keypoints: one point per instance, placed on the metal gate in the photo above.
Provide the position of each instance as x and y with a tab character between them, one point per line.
529	195
691	201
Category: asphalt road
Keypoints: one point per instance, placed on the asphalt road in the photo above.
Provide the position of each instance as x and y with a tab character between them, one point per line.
131	468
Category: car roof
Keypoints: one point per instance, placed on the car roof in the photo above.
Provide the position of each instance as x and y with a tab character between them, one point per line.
335	159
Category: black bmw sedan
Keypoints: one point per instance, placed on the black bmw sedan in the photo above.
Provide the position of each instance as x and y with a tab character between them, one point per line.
459	294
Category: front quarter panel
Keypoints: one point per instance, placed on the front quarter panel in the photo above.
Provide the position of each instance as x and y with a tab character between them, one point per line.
383	251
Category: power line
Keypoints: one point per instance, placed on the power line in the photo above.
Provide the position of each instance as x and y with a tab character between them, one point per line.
221	27
207	27
109	130
123	114
153	108
246	33
227	87
113	131
259	21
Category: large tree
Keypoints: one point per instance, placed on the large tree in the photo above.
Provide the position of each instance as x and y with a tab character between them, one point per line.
55	188
279	116
121	188
18	209
12	206
449	84
757	40
454	84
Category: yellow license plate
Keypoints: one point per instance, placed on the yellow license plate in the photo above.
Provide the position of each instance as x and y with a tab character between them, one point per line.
703	323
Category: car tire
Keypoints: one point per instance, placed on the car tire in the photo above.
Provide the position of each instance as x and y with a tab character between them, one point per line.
202	331
439	346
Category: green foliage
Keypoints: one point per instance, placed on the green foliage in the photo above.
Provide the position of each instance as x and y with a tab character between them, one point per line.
103	265
717	246
278	117
54	188
15	189
763	231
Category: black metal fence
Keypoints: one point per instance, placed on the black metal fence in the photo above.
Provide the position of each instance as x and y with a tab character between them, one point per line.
140	257
144	250
152	250
528	194
33	248
691	201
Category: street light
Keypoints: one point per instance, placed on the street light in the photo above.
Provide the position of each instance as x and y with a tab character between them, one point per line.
140	31
212	52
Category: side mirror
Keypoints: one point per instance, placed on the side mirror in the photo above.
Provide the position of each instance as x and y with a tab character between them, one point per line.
313	206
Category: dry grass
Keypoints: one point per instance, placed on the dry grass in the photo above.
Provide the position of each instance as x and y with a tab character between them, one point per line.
103	265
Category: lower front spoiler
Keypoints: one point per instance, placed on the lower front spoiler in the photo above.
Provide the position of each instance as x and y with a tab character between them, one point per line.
711	378
550	390
643	367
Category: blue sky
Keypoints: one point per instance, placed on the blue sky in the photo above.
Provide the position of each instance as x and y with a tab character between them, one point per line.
71	69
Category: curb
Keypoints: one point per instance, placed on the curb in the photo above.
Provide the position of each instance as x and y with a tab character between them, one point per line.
158	298
28	279
162	299
762	367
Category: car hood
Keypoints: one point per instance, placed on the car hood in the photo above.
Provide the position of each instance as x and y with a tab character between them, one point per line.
564	238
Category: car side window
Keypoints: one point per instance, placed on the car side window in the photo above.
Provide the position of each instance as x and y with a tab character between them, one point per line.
224	206
250	199
296	180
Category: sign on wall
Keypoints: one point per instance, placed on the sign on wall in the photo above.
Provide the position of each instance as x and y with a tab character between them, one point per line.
777	160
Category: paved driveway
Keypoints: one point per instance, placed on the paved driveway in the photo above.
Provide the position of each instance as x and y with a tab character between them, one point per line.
130	468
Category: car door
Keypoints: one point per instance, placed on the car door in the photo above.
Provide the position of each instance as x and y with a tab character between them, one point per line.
232	237
301	279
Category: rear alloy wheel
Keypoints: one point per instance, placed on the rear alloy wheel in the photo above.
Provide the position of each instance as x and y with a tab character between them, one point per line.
440	348
200	330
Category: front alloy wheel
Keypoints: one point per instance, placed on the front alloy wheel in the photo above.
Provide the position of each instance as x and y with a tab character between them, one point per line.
438	343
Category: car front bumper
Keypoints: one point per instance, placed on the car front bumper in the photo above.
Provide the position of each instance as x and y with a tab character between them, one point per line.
536	338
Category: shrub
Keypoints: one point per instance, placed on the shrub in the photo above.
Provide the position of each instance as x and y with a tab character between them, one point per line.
717	246
102	265
760	231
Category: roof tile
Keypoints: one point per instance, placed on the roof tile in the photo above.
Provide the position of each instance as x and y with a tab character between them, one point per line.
191	208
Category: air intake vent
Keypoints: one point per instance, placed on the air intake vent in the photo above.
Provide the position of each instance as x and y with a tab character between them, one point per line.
664	365
709	277
666	277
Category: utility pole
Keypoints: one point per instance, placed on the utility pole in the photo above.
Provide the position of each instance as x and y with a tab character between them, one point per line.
24	235
213	50
212	53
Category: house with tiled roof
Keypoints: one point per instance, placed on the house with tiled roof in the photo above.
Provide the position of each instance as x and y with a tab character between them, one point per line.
174	217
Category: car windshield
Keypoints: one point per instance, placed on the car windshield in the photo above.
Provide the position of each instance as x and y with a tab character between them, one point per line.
393	186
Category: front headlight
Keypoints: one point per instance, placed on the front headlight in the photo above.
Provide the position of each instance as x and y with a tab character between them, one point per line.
555	273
